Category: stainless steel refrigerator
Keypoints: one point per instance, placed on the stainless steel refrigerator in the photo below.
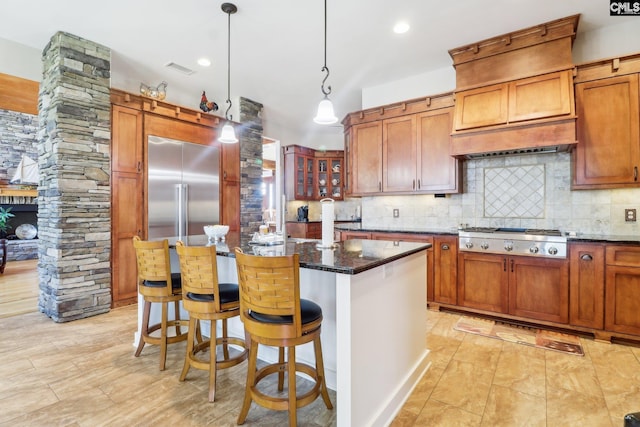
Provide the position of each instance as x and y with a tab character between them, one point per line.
183	188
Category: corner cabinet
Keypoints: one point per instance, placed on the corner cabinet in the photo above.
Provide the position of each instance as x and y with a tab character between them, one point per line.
608	125
402	149
312	174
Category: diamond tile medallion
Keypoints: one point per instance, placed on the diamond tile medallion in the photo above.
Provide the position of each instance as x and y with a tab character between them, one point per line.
514	192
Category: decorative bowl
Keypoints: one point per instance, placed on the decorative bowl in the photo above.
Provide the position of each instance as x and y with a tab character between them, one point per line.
216	232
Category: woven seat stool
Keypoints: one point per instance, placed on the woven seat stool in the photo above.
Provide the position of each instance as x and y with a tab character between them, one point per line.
273	314
157	284
207	299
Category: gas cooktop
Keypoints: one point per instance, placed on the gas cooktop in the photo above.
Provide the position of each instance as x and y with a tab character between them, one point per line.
542	232
515	241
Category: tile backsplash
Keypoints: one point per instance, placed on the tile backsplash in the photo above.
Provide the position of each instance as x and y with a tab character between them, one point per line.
528	191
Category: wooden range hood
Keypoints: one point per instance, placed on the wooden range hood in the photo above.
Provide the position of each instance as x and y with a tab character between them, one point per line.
514	92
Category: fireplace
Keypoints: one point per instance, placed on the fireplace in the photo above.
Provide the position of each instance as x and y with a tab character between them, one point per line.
18	249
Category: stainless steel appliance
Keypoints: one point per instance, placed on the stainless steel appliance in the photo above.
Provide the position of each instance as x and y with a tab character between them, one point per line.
513	241
183	188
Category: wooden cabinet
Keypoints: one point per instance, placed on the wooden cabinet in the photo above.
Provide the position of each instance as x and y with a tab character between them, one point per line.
364	152
538	97
535	288
298	172
445	270
313	175
483	282
399	154
586	285
305	230
230	188
436	170
622	289
353	234
127	221
329	181
127	206
126	135
539	288
608	126
404	153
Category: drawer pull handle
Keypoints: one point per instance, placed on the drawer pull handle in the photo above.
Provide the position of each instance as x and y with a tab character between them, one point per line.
444	247
504	264
635	173
586	257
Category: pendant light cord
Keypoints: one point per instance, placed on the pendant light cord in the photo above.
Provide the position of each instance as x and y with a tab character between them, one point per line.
326	91
226	113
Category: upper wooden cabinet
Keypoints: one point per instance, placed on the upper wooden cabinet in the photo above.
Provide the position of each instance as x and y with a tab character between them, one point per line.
402	149
364	158
608	126
126	135
313	175
514	92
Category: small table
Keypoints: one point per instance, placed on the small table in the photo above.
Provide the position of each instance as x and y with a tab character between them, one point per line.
3	254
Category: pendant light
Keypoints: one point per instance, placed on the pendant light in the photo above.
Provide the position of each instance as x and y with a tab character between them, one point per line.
228	134
325	115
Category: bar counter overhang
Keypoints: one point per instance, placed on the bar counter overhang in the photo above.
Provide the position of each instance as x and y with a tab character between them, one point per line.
373	299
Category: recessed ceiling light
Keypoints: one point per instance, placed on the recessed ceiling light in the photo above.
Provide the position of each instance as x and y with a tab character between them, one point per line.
204	62
401	27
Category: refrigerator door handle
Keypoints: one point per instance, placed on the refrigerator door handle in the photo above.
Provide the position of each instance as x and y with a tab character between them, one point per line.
185	211
179	199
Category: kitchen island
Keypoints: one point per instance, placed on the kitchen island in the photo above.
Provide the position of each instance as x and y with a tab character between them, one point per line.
372	295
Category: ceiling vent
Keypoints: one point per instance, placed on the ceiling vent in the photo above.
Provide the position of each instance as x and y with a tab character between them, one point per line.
179	68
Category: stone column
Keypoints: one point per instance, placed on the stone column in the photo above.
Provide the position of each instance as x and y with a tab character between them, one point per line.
250	166
74	191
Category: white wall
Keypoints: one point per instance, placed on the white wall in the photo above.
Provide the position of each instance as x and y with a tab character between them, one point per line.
20	60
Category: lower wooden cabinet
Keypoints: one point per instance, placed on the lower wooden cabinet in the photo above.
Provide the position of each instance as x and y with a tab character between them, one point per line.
586	285
305	230
483	282
622	289
445	270
535	288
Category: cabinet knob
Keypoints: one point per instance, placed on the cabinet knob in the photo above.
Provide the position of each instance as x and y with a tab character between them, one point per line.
586	257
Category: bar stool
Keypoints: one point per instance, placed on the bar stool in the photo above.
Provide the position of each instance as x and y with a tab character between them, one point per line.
273	314
206	299
157	284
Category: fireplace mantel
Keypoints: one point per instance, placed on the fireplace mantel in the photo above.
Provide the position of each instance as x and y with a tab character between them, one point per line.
19	192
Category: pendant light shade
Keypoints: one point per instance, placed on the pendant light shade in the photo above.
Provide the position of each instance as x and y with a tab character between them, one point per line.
325	115
228	134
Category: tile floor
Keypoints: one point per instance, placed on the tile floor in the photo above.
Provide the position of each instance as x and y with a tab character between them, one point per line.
83	373
478	381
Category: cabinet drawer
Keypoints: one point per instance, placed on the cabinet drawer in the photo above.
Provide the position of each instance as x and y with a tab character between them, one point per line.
623	255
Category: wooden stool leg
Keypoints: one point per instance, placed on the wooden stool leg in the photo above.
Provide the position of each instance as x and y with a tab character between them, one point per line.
293	407
212	361
251	380
144	330
281	370
177	311
320	371
163	336
225	345
193	325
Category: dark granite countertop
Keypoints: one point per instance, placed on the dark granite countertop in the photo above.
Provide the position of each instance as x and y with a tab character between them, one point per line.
348	257
358	227
622	239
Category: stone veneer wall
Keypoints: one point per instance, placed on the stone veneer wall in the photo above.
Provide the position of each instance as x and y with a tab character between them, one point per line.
250	166
74	194
17	138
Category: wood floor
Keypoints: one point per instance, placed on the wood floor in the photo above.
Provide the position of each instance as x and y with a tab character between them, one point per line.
19	288
83	373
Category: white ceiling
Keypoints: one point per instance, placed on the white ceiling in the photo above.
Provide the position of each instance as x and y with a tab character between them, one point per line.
277	45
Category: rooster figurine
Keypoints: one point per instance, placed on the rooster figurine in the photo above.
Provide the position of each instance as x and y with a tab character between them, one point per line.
207	106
